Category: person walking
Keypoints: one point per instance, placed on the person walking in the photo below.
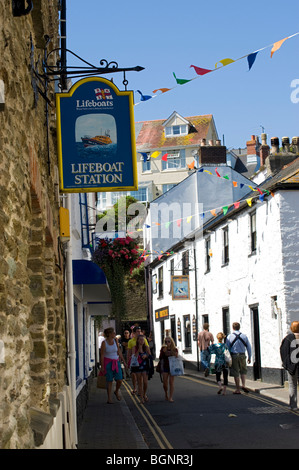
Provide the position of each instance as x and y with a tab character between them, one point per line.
220	364
288	354
168	349
131	344
124	343
110	363
142	353
237	344
204	339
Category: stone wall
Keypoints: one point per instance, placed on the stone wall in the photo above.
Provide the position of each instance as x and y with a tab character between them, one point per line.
32	325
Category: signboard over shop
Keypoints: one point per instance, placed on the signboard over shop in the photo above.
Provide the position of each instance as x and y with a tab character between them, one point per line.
96	138
162	314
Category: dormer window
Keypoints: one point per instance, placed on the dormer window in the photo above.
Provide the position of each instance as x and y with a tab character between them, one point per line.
176	125
171	131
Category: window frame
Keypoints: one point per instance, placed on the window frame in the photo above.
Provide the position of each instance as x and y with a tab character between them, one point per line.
225	246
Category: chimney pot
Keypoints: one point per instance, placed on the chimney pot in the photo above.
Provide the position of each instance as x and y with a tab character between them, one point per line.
274	145
210	142
285	144
218	142
203	142
295	144
264	139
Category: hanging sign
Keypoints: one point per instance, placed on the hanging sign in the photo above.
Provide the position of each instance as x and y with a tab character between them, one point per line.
96	138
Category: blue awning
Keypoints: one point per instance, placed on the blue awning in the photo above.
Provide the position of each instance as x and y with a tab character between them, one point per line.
87	272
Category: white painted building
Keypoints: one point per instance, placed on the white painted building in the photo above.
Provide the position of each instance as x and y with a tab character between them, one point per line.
243	266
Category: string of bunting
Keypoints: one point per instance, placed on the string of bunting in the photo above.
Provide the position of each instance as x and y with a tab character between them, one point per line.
215	211
251	57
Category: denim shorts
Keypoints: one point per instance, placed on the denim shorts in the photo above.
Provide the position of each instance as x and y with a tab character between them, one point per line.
112	374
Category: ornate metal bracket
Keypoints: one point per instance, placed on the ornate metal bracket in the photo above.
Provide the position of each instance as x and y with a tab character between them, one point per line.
51	72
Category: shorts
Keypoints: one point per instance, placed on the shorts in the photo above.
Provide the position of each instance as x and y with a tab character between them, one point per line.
113	374
238	366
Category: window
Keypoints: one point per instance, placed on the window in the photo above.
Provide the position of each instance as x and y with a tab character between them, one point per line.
175	160
225	246
140	195
160	282
146	165
253	232
167	187
154	283
185	263
171	131
225	321
172	267
208	255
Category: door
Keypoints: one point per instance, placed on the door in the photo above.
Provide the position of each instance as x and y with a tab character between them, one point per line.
173	329
256	346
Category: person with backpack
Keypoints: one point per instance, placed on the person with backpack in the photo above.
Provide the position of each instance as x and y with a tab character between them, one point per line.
289	350
237	344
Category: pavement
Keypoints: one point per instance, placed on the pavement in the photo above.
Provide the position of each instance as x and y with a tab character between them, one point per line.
107	426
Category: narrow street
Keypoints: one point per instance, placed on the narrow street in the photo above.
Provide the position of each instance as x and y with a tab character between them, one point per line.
198	419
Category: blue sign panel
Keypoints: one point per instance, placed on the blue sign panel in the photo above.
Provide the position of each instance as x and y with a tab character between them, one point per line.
96	138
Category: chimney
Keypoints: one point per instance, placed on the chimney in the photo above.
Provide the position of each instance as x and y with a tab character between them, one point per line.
252	149
212	154
277	160
264	149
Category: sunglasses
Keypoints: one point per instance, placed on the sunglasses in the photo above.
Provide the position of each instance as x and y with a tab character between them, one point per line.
168	341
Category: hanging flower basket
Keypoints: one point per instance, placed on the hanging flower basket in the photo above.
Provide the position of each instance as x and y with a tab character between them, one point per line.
117	258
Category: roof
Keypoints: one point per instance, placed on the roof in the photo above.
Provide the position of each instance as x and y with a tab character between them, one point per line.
151	135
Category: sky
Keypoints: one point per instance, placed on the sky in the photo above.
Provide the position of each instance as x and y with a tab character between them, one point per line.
166	36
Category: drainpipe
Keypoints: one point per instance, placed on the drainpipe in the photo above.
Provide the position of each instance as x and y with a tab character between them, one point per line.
196	306
71	327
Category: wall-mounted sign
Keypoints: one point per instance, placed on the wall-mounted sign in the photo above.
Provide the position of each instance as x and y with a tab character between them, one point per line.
180	288
161	314
96	138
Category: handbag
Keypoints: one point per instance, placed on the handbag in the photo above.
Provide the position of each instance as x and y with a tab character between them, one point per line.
159	367
101	380
176	366
228	358
134	361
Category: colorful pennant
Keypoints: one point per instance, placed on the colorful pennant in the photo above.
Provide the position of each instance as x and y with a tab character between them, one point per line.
200	71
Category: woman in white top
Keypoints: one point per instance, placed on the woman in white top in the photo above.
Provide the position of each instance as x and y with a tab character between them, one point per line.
110	363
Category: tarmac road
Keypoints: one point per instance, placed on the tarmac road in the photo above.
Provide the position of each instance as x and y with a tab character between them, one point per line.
201	419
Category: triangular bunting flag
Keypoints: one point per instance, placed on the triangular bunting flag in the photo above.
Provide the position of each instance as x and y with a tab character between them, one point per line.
249	201
181	81
200	71
225	209
144	156
189	219
155	154
237	204
163	90
251	59
144	97
178	222
217	172
164	157
235	184
224	62
277	45
213	212
191	166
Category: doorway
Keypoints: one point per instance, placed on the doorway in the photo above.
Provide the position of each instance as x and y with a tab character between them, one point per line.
173	328
256	346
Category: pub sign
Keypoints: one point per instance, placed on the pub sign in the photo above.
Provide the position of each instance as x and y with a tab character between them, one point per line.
96	138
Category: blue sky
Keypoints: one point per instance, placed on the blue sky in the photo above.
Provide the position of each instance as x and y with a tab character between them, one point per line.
168	36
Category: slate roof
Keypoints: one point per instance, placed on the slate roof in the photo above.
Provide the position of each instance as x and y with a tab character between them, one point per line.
151	135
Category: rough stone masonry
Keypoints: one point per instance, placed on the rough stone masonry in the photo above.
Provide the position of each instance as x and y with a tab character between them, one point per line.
32	326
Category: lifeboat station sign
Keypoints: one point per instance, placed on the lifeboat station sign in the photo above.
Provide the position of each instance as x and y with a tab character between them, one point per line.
96	138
